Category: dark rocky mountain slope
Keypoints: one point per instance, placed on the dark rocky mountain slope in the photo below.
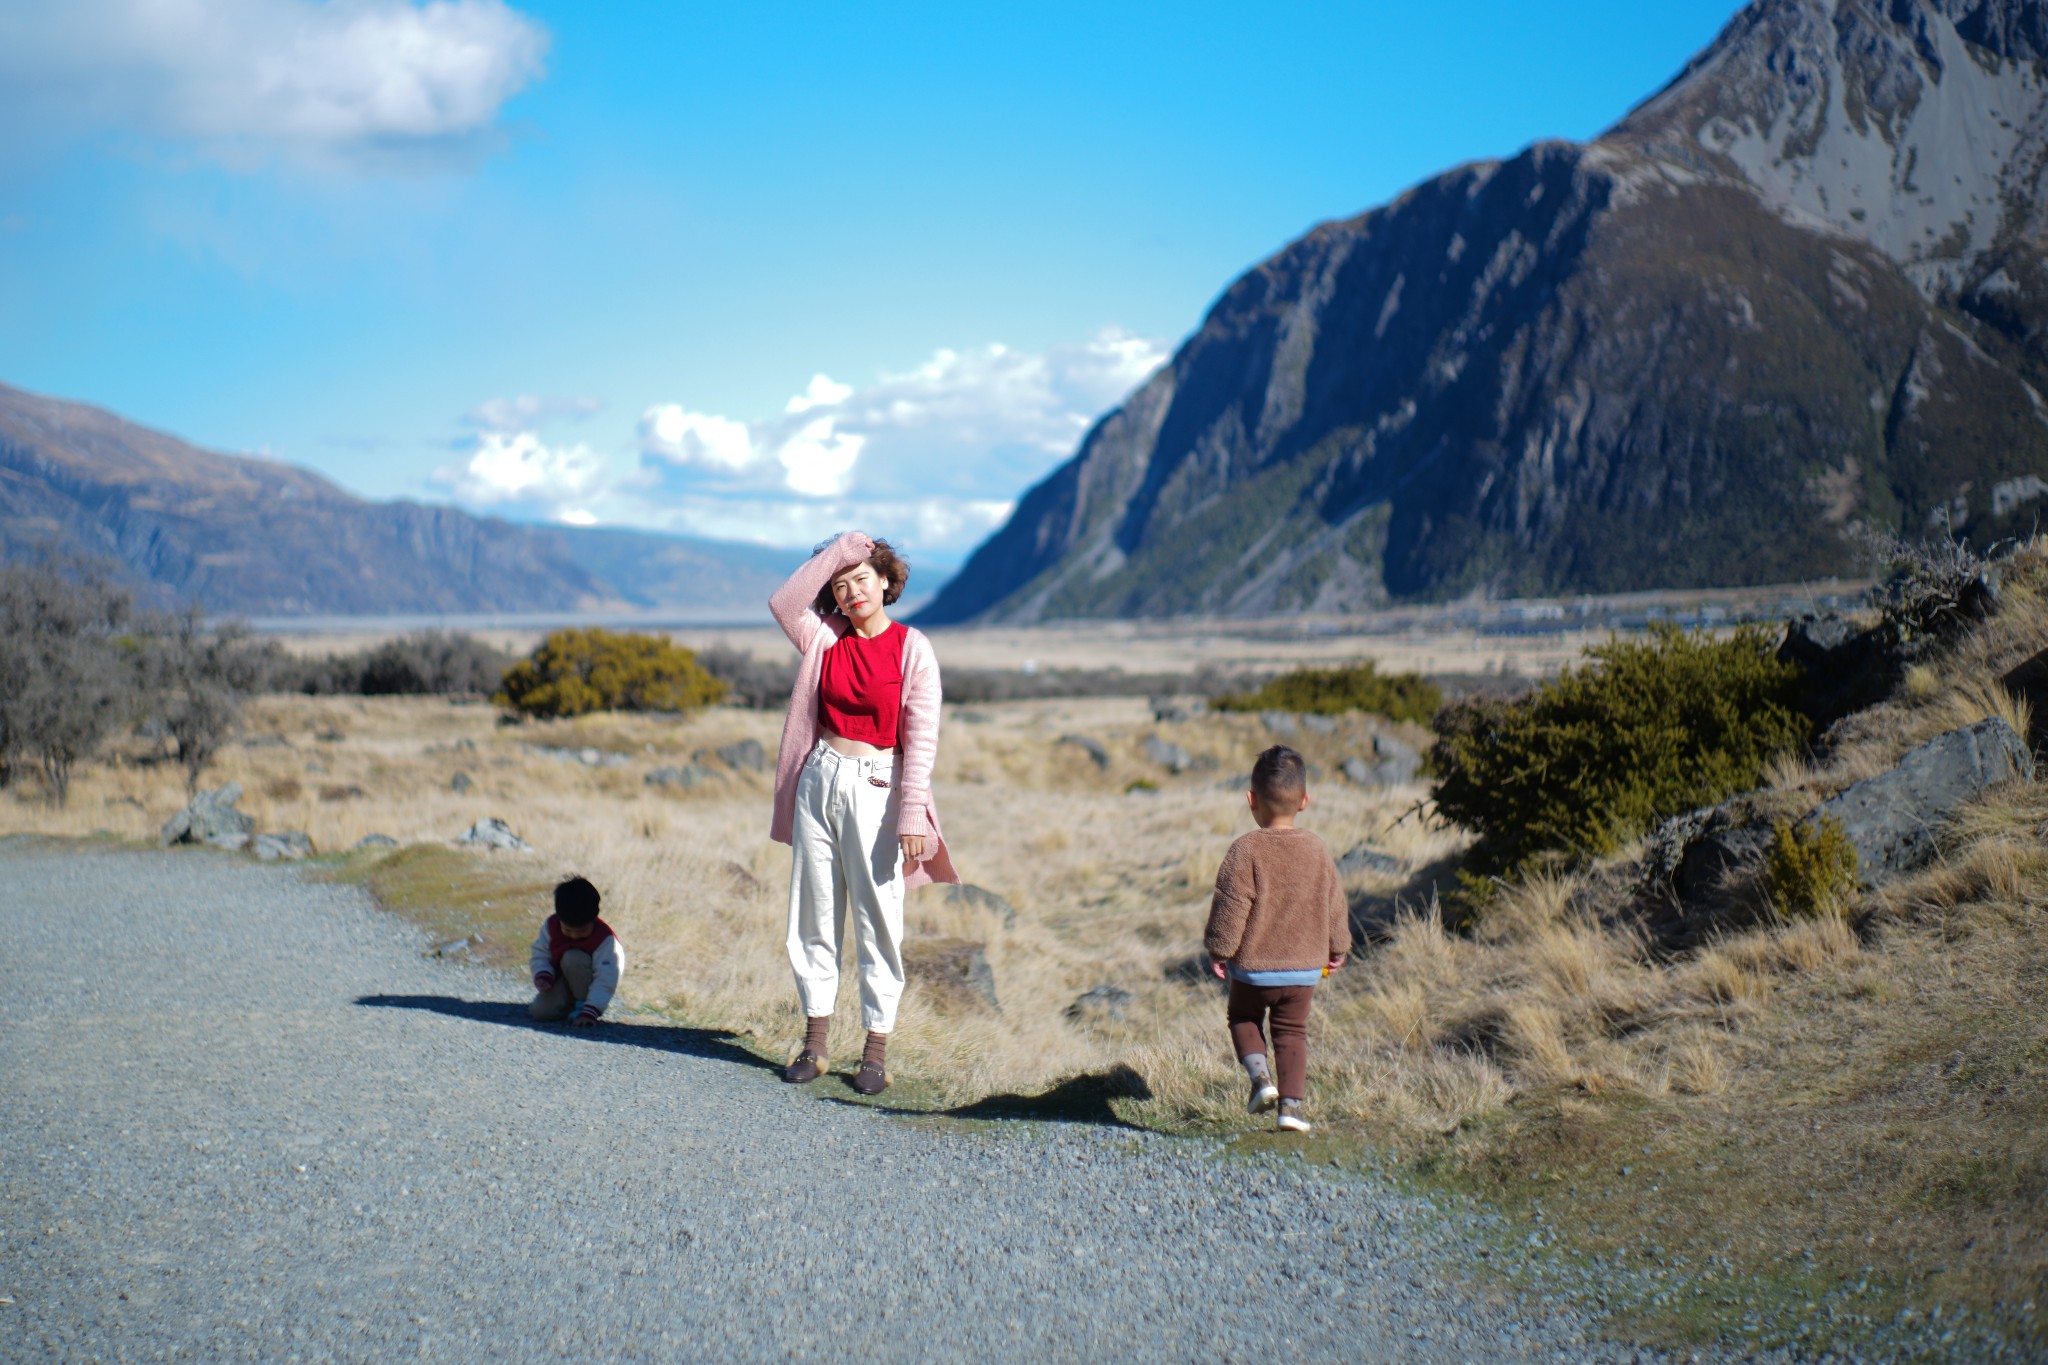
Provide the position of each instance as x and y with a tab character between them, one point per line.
254	536
1801	287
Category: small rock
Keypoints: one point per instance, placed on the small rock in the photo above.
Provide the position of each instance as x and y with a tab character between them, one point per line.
1101	1003
376	841
492	832
460	783
1363	858
1359	771
329	735
747	755
1278	723
458	947
1322	725
232	840
1091	747
1166	754
688	777
336	792
954	970
288	845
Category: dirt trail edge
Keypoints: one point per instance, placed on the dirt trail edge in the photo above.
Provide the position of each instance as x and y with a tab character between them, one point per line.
246	1119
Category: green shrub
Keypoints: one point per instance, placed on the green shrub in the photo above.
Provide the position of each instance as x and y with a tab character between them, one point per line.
1811	869
578	671
1646	730
1333	691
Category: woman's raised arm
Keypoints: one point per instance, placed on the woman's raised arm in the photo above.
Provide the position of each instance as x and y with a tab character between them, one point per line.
794	603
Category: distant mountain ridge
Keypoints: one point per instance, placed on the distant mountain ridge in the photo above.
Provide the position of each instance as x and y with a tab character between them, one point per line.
1800	287
242	535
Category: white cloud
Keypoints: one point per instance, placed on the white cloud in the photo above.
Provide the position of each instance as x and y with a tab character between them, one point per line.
821	392
681	437
253	77
527	410
934	456
819	459
519	468
978	423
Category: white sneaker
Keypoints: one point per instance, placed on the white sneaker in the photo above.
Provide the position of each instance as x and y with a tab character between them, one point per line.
1264	1095
1290	1120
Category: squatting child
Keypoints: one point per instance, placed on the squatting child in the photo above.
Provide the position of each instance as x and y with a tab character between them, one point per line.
1278	924
576	959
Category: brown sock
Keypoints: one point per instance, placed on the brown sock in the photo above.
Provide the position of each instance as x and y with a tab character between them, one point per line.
816	1026
878	1043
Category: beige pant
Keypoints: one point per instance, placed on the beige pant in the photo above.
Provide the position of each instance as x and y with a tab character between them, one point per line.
571	988
847	858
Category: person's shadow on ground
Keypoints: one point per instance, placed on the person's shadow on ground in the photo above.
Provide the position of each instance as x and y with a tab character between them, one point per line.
1078	1099
713	1044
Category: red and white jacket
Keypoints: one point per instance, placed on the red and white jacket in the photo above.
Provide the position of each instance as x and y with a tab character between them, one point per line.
607	958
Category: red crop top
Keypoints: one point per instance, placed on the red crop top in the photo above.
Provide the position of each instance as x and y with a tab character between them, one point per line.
860	690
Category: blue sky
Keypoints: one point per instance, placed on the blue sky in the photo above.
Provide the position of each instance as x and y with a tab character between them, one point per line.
748	270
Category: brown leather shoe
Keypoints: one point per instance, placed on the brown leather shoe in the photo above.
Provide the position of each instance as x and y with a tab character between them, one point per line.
870	1078
808	1066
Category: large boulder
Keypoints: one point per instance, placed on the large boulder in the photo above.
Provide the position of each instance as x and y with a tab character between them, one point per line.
953	971
1891	819
210	818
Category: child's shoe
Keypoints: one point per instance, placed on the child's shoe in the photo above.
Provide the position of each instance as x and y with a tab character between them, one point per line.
1264	1095
1290	1120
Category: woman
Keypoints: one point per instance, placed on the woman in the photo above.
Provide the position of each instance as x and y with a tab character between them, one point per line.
853	791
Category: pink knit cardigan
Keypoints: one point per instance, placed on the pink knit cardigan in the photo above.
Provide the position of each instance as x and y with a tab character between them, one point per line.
794	606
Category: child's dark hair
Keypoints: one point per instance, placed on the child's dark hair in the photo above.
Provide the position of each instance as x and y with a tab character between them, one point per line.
1279	775
576	902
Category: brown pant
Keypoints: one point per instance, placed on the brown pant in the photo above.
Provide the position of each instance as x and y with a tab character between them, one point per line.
571	988
1287	1007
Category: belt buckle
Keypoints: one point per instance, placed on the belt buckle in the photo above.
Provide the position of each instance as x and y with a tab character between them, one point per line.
877	782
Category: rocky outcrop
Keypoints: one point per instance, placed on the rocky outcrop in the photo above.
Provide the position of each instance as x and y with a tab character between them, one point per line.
1893	819
1688	353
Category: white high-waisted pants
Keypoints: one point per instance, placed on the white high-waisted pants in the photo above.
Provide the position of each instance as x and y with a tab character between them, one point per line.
847	856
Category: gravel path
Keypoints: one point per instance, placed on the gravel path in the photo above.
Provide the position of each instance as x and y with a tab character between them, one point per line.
248	1120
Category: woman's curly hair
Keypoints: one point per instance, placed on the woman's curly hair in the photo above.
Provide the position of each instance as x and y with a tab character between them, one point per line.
894	568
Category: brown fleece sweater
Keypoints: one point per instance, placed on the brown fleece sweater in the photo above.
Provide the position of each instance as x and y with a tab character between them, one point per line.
1278	907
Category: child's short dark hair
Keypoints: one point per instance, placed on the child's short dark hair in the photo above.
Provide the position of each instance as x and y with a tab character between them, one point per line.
576	902
1279	775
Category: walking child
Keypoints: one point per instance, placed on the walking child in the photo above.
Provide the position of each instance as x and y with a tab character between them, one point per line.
1278	924
576	959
